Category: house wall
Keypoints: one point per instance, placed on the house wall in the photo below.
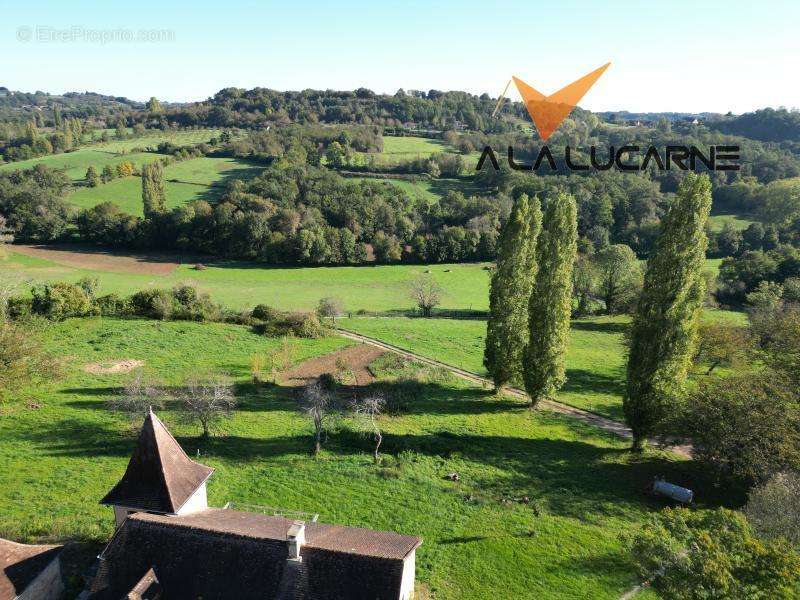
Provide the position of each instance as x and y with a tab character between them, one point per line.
47	585
197	502
409	574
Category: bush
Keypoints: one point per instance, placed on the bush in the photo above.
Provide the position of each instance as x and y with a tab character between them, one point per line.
19	308
330	308
154	303
189	305
301	325
712	554
746	428
262	312
112	305
327	382
309	327
773	509
58	301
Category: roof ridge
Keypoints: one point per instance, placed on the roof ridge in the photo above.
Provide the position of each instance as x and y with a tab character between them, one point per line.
153	420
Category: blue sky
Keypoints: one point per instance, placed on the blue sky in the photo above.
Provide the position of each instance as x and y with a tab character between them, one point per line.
680	56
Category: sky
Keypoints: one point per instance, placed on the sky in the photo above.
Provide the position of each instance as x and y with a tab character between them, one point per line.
682	56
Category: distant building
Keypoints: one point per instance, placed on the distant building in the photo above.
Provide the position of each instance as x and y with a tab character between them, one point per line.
169	544
30	572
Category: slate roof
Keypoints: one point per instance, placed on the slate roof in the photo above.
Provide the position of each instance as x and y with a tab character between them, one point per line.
20	564
219	553
160	476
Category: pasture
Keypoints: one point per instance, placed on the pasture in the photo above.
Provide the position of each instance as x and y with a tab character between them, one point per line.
539	509
200	178
375	298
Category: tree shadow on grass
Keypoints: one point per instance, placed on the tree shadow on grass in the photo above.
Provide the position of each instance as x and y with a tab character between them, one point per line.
584	480
431	398
585	381
600	327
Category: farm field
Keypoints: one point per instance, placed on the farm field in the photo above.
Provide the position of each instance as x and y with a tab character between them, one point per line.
61	450
719	221
595	361
74	164
240	284
194	179
381	288
427	190
112	152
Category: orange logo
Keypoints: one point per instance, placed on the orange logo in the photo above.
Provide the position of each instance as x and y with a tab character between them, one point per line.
548	112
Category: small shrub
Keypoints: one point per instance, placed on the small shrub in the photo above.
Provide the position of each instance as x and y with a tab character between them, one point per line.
111	305
19	308
330	308
58	301
309	327
262	312
154	303
327	382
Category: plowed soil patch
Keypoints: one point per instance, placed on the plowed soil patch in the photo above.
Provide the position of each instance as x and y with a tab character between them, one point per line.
92	258
357	359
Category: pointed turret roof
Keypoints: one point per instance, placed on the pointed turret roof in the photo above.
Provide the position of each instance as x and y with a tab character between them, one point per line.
160	476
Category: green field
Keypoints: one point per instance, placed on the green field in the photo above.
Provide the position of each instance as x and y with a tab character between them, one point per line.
412	147
425	189
740	222
595	356
112	152
595	360
242	285
239	284
61	450
74	164
200	178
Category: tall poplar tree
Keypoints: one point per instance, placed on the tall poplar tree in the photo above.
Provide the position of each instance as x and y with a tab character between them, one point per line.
550	303
664	330
153	196
507	329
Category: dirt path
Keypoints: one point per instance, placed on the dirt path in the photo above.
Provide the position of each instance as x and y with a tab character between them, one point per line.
357	359
615	427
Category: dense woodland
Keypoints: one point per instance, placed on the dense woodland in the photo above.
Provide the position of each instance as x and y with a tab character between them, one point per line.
302	209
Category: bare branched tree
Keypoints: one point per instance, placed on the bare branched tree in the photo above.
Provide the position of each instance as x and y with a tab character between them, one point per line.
367	412
138	395
208	400
426	293
315	401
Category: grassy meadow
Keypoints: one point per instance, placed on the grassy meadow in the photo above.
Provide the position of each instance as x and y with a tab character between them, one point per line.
194	179
61	450
377	303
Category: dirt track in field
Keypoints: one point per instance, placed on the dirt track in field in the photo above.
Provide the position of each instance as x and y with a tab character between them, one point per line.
615	427
88	257
357	359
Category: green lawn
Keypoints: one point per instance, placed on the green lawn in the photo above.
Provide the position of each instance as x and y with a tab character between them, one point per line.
61	450
194	179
